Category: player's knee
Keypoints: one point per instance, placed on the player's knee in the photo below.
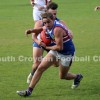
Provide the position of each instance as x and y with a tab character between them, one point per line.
41	68
62	76
36	64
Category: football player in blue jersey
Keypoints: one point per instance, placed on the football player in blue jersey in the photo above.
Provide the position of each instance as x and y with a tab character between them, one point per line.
62	49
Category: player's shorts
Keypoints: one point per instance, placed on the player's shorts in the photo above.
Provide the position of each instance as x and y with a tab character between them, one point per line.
37	15
36	45
64	60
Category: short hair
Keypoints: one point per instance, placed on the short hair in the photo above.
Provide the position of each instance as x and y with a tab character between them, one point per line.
47	15
52	6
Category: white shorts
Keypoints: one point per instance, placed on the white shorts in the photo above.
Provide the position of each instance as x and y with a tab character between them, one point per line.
65	60
37	15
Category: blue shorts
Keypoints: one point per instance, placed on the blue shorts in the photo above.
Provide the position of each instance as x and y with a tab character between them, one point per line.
36	45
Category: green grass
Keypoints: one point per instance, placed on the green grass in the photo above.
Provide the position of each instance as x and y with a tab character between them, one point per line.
79	15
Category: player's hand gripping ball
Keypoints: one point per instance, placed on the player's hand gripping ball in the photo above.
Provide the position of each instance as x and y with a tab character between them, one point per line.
45	37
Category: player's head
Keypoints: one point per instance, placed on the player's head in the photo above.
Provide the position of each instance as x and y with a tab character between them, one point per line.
52	8
48	20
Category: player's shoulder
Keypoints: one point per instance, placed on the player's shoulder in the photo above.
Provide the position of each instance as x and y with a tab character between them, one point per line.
58	25
58	30
39	23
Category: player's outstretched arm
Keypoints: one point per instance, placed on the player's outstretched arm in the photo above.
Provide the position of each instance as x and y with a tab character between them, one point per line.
37	31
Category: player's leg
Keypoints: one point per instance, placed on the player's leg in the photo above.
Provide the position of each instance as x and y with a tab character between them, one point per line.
64	74
65	65
37	57
47	61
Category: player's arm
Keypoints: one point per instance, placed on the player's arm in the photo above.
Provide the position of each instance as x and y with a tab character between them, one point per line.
37	28
58	33
38	25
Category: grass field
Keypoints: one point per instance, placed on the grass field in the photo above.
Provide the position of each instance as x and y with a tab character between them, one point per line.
79	15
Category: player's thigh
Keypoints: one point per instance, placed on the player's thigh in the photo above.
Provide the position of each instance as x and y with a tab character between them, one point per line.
63	70
65	63
47	61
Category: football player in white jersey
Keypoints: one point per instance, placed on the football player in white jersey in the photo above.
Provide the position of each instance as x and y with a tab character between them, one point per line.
39	7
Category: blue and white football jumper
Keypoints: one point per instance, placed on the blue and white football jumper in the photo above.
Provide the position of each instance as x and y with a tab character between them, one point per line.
65	56
68	46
